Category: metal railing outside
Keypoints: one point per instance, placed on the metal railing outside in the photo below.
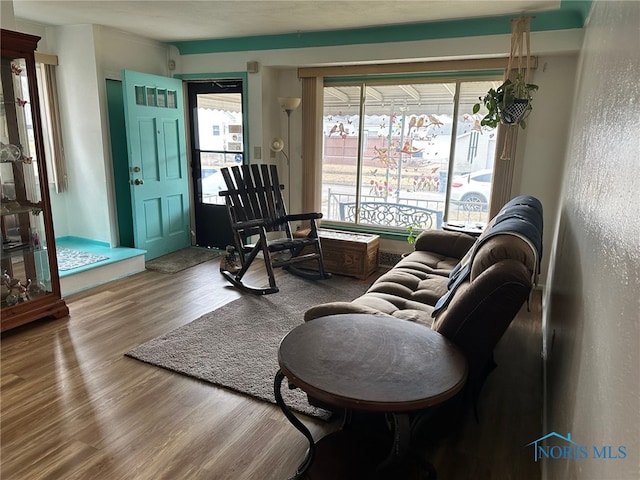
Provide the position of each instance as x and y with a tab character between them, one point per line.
466	212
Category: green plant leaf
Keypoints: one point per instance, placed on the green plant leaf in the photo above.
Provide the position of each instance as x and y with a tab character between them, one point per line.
501	98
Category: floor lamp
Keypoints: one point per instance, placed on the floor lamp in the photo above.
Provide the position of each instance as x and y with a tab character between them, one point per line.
288	104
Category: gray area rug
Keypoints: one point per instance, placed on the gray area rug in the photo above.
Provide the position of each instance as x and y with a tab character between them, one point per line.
177	261
236	346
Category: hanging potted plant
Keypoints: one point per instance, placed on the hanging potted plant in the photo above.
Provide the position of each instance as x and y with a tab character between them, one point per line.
509	104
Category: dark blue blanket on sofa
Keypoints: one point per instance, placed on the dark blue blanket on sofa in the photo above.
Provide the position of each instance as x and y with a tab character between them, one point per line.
521	217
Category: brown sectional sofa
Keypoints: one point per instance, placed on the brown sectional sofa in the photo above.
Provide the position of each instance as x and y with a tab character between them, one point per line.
410	289
501	269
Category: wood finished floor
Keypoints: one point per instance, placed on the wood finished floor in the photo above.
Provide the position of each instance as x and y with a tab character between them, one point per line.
74	407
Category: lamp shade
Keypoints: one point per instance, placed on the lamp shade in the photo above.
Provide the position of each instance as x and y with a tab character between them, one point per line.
289	103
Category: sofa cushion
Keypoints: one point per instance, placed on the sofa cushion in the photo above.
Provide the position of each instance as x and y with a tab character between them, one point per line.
376	303
444	243
408	291
335	308
397	306
428	263
411	285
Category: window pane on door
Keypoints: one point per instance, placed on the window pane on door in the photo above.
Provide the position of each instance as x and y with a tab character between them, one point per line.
219	141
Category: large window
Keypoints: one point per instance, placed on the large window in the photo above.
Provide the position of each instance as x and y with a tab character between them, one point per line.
387	144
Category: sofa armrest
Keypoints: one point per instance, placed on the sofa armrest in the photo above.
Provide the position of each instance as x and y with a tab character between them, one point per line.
481	304
480	312
445	243
335	308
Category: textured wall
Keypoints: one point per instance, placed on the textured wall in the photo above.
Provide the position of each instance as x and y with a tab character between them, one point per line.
539	173
592	322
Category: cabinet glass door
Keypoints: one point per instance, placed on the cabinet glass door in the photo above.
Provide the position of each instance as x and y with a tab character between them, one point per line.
25	265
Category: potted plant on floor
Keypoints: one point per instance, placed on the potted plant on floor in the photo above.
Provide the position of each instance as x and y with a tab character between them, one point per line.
509	104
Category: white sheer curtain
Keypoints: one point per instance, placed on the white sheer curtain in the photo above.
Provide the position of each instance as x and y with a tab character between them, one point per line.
312	144
52	129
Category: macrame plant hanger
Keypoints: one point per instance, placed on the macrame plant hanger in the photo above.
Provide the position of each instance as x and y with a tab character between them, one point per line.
520	36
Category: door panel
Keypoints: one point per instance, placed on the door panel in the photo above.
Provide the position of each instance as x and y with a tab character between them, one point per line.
172	149
175	207
153	216
148	149
154	118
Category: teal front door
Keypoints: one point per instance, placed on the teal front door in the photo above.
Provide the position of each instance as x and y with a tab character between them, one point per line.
157	154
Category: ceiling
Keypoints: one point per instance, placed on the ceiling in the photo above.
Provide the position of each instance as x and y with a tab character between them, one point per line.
182	20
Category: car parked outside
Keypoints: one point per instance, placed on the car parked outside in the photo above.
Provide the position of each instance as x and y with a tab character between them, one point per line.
212	184
472	191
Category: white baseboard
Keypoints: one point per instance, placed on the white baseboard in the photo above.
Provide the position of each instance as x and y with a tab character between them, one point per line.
97	276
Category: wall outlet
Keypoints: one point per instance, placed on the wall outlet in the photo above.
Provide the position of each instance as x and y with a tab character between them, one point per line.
257	153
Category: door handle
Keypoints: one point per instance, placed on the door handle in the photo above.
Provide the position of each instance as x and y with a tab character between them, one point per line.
138	181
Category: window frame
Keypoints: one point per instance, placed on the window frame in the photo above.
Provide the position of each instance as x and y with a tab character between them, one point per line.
214	86
313	80
375	81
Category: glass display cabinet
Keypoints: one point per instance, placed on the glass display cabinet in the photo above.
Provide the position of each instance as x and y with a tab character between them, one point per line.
30	284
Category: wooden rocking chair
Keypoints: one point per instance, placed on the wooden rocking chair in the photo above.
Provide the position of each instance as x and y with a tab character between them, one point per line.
256	209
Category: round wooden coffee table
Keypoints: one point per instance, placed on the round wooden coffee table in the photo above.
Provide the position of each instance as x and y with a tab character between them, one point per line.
368	363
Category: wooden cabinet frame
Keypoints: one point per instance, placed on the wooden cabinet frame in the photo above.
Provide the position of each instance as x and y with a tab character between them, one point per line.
28	242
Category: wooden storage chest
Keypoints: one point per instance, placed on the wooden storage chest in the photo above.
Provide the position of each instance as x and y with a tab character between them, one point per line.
347	253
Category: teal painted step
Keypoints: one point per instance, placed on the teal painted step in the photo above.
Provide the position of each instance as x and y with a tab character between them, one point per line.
114	255
121	262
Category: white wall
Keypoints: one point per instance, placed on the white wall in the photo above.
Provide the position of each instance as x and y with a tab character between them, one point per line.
83	209
7	18
542	146
87	56
34	29
116	51
592	322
